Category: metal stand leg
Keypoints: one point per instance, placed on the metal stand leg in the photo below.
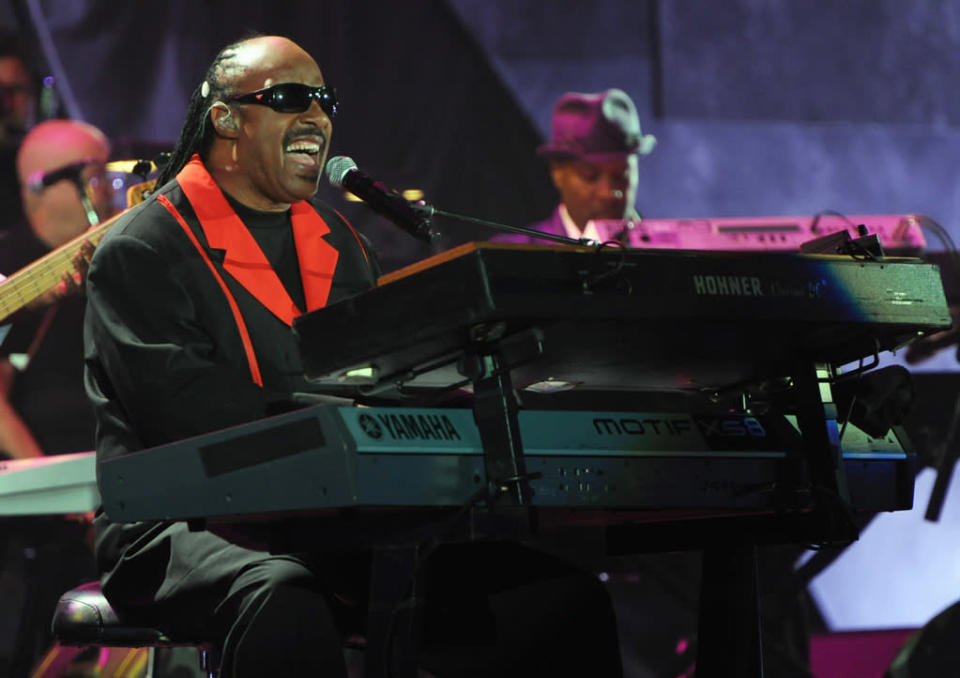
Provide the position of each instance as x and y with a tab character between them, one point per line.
817	418
495	411
207	662
394	617
729	627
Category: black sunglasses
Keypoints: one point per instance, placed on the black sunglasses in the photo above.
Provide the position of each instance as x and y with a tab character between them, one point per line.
292	97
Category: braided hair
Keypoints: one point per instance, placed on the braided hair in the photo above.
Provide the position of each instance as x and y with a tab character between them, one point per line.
197	133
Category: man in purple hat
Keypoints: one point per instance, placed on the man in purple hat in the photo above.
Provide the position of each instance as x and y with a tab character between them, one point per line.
593	151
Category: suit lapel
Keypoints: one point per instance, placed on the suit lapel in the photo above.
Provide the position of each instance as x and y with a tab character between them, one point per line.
244	260
316	257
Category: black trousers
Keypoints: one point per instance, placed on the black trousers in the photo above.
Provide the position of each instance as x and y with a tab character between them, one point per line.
491	609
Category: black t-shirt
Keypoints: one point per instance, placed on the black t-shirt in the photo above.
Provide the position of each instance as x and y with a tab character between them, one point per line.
274	233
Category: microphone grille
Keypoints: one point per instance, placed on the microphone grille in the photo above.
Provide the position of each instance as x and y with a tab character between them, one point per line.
338	167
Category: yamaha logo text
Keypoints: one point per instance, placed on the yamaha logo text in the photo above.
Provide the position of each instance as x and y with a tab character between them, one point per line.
409	426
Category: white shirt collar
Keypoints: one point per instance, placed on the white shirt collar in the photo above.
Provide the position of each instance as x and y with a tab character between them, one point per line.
573	231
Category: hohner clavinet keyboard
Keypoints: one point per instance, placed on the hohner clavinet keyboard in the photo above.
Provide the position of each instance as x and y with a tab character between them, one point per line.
623	320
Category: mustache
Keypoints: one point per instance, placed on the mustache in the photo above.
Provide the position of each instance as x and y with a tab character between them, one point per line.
305	132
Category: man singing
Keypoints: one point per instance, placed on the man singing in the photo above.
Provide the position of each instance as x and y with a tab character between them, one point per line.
191	297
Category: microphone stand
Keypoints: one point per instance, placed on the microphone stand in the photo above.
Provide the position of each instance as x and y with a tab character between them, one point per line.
488	364
950	452
428	211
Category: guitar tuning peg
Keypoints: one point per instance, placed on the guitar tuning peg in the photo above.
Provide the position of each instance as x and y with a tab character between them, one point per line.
142	168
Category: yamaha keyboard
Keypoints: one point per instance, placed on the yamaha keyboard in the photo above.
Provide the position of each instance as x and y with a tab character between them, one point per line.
620	319
327	457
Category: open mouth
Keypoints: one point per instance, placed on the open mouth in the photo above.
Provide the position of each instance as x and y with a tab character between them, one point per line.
305	152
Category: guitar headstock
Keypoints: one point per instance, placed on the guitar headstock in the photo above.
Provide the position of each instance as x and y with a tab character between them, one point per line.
137	193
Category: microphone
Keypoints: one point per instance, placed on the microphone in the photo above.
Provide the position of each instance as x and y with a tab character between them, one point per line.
342	173
39	180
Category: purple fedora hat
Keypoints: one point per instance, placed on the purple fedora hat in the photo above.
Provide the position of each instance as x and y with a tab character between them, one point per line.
596	128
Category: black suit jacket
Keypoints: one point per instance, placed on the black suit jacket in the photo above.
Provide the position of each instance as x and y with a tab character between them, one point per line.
163	354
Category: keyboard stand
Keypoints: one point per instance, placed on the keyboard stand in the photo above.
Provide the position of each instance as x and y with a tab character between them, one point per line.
729	620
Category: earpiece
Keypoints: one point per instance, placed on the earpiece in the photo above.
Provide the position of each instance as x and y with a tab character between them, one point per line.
225	121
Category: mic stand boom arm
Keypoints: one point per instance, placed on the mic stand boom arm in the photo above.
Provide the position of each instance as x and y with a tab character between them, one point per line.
430	210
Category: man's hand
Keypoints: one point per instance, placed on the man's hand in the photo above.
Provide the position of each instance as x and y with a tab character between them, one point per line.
71	283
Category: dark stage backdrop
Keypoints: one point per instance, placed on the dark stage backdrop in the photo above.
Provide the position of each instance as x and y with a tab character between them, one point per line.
860	61
421	106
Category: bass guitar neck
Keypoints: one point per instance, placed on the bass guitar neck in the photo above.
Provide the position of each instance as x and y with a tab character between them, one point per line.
34	280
